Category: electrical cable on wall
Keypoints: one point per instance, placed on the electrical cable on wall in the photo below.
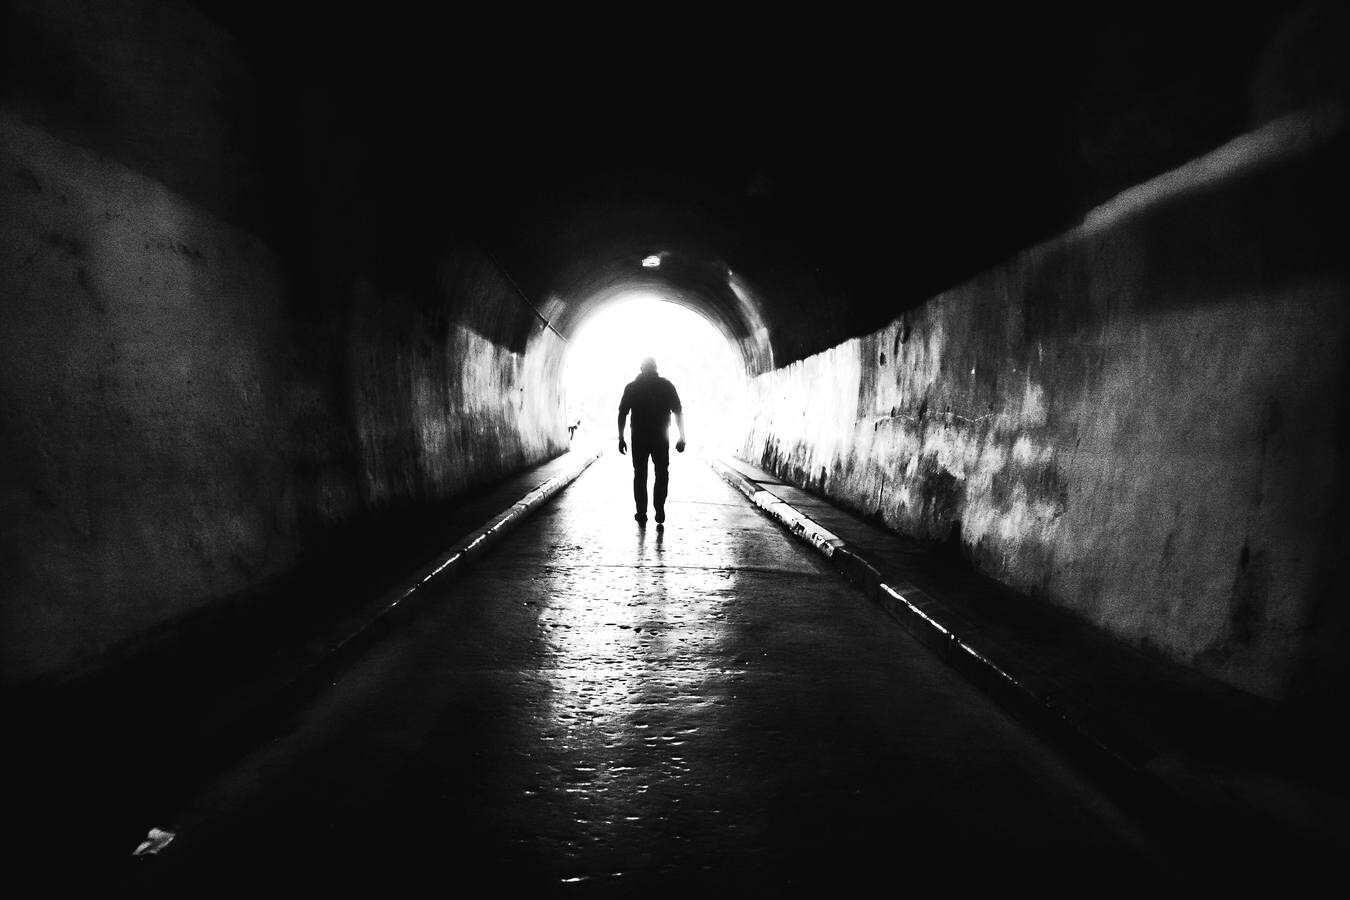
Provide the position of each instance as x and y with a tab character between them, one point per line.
523	296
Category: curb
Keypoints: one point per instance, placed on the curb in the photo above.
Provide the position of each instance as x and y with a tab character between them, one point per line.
800	524
468	548
1011	682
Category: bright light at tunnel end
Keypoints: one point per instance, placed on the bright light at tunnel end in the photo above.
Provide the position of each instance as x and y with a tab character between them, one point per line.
651	262
704	365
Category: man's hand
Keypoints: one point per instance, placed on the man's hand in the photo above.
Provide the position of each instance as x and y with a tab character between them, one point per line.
623	446
679	446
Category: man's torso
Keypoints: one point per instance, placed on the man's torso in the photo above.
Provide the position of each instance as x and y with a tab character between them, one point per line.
651	399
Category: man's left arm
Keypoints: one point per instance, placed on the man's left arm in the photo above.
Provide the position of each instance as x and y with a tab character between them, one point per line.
678	410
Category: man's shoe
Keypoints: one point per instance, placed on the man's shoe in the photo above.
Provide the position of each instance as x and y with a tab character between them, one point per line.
660	516
640	518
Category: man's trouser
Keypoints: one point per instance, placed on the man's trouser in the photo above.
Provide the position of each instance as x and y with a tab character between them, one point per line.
659	451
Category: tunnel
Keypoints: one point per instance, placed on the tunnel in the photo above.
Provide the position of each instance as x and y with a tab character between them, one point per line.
1027	414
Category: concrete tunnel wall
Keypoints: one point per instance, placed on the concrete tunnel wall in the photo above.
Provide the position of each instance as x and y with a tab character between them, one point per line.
180	430
1142	421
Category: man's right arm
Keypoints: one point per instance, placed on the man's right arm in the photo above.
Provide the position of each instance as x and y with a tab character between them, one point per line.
624	406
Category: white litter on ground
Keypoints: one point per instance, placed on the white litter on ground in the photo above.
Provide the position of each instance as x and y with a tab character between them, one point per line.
154	842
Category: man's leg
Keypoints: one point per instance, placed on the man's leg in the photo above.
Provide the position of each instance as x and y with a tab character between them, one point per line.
640	453
661	459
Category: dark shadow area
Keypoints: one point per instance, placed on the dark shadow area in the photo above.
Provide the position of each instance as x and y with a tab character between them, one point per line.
128	742
1217	772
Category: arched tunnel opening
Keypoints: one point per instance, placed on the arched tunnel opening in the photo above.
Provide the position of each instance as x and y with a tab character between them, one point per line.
704	362
1026	316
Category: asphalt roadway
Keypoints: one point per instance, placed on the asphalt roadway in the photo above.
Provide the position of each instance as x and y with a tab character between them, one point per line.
601	709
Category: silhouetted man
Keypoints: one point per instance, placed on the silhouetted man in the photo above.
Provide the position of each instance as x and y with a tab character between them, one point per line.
651	399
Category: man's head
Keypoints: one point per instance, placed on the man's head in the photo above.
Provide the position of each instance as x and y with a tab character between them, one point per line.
648	366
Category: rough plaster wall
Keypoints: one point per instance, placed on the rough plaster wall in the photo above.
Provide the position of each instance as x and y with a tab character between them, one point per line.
438	407
1141	421
144	443
174	438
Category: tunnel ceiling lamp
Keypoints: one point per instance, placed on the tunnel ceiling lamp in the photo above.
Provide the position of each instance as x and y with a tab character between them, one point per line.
651	262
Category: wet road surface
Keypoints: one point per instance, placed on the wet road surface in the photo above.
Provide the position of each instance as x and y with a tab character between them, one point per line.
602	709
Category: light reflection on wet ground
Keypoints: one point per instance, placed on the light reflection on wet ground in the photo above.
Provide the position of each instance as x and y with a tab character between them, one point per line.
607	709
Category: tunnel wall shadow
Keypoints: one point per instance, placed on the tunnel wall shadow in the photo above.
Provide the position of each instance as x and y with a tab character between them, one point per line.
189	415
1141	421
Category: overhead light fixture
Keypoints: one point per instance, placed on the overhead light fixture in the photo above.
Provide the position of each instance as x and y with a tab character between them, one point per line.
651	262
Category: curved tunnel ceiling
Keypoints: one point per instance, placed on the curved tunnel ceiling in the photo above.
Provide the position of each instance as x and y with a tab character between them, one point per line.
701	283
840	171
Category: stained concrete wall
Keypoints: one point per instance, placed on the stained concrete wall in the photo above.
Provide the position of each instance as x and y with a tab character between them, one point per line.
184	417
172	439
1143	421
439	406
144	437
